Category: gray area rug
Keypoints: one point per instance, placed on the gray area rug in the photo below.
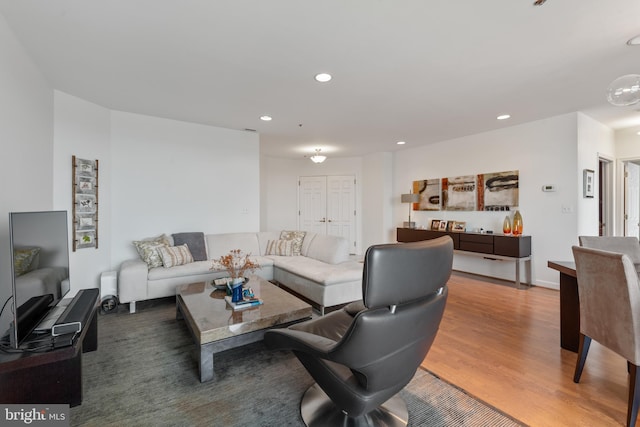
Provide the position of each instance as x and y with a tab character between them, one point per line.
145	374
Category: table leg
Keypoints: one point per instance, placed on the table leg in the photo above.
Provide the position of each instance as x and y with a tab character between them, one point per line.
205	363
569	313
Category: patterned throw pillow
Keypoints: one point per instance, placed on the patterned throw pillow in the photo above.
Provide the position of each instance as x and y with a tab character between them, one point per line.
148	250
296	237
280	247
175	255
22	260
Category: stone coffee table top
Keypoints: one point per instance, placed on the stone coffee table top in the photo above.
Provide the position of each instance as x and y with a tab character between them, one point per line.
211	319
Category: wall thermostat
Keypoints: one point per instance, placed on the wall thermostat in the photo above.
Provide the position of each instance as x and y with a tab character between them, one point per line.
548	188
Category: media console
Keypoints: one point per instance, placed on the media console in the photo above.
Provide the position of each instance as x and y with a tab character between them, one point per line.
53	376
497	247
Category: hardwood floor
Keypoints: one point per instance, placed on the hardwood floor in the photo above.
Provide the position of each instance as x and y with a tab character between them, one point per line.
502	345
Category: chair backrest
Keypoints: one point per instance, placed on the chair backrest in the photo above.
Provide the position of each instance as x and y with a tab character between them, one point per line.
404	290
622	244
609	295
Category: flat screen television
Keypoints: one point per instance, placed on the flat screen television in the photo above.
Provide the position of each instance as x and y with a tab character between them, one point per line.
40	268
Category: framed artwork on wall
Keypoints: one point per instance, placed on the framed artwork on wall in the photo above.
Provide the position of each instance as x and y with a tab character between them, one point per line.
85	203
588	177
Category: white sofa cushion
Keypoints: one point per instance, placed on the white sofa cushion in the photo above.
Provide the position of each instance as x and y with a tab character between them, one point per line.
330	249
319	271
220	244
198	267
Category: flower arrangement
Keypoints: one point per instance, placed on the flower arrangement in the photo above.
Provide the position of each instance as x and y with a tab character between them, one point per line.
236	263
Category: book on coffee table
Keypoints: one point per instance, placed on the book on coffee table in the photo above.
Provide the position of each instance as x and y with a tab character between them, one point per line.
241	305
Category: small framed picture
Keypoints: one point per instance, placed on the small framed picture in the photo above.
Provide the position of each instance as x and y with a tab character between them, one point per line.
435	224
443	226
459	226
588	178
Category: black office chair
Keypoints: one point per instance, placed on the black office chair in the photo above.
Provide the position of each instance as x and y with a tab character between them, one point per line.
363	355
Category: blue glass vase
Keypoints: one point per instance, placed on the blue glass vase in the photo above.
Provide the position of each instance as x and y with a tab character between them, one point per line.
236	293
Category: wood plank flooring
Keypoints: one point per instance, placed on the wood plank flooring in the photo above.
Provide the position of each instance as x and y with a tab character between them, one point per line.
502	345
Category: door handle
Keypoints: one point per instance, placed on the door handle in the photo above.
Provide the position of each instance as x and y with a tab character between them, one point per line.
328	220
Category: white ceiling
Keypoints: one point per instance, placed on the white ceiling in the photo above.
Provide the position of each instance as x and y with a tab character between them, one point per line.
421	71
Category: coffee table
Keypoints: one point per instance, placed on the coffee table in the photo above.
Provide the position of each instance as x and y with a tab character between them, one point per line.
215	327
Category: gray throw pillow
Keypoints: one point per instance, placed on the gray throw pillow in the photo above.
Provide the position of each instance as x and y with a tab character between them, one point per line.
195	242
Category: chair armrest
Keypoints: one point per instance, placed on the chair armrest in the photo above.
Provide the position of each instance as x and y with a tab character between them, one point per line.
132	281
289	339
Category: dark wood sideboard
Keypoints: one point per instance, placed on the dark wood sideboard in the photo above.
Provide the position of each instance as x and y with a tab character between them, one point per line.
497	247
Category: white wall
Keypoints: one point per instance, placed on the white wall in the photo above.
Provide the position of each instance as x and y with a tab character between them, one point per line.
169	177
279	189
627	143
594	139
544	152
378	200
26	140
82	129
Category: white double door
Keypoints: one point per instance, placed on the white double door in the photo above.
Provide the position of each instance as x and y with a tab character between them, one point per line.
326	205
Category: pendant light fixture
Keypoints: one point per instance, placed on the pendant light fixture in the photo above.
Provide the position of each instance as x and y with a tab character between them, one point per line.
624	90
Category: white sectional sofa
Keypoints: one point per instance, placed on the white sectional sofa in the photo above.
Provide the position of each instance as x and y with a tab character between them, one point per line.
322	273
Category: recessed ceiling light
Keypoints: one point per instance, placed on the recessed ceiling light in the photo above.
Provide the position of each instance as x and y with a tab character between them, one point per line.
503	117
400	142
635	41
323	77
266	118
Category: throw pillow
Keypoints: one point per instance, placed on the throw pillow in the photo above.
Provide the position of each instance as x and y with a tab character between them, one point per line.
148	251
23	259
175	255
195	242
296	237
280	247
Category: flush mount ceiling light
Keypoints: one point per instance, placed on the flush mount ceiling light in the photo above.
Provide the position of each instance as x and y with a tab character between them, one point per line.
503	117
318	158
323	77
266	118
624	90
400	142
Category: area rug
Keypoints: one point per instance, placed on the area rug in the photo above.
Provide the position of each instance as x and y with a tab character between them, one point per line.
145	373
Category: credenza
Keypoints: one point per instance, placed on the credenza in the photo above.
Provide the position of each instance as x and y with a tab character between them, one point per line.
497	247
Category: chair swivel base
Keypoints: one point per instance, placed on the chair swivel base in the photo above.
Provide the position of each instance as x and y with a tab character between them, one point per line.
317	410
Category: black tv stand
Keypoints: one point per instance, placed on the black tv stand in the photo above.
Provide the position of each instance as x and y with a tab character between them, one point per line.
53	376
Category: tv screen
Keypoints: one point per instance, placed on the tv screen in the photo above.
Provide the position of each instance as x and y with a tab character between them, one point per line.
40	268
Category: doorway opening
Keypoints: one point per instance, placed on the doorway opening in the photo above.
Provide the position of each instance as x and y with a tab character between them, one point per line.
631	199
605	196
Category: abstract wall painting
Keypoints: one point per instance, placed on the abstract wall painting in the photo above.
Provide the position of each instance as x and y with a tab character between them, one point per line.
498	191
85	203
429	190
459	193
